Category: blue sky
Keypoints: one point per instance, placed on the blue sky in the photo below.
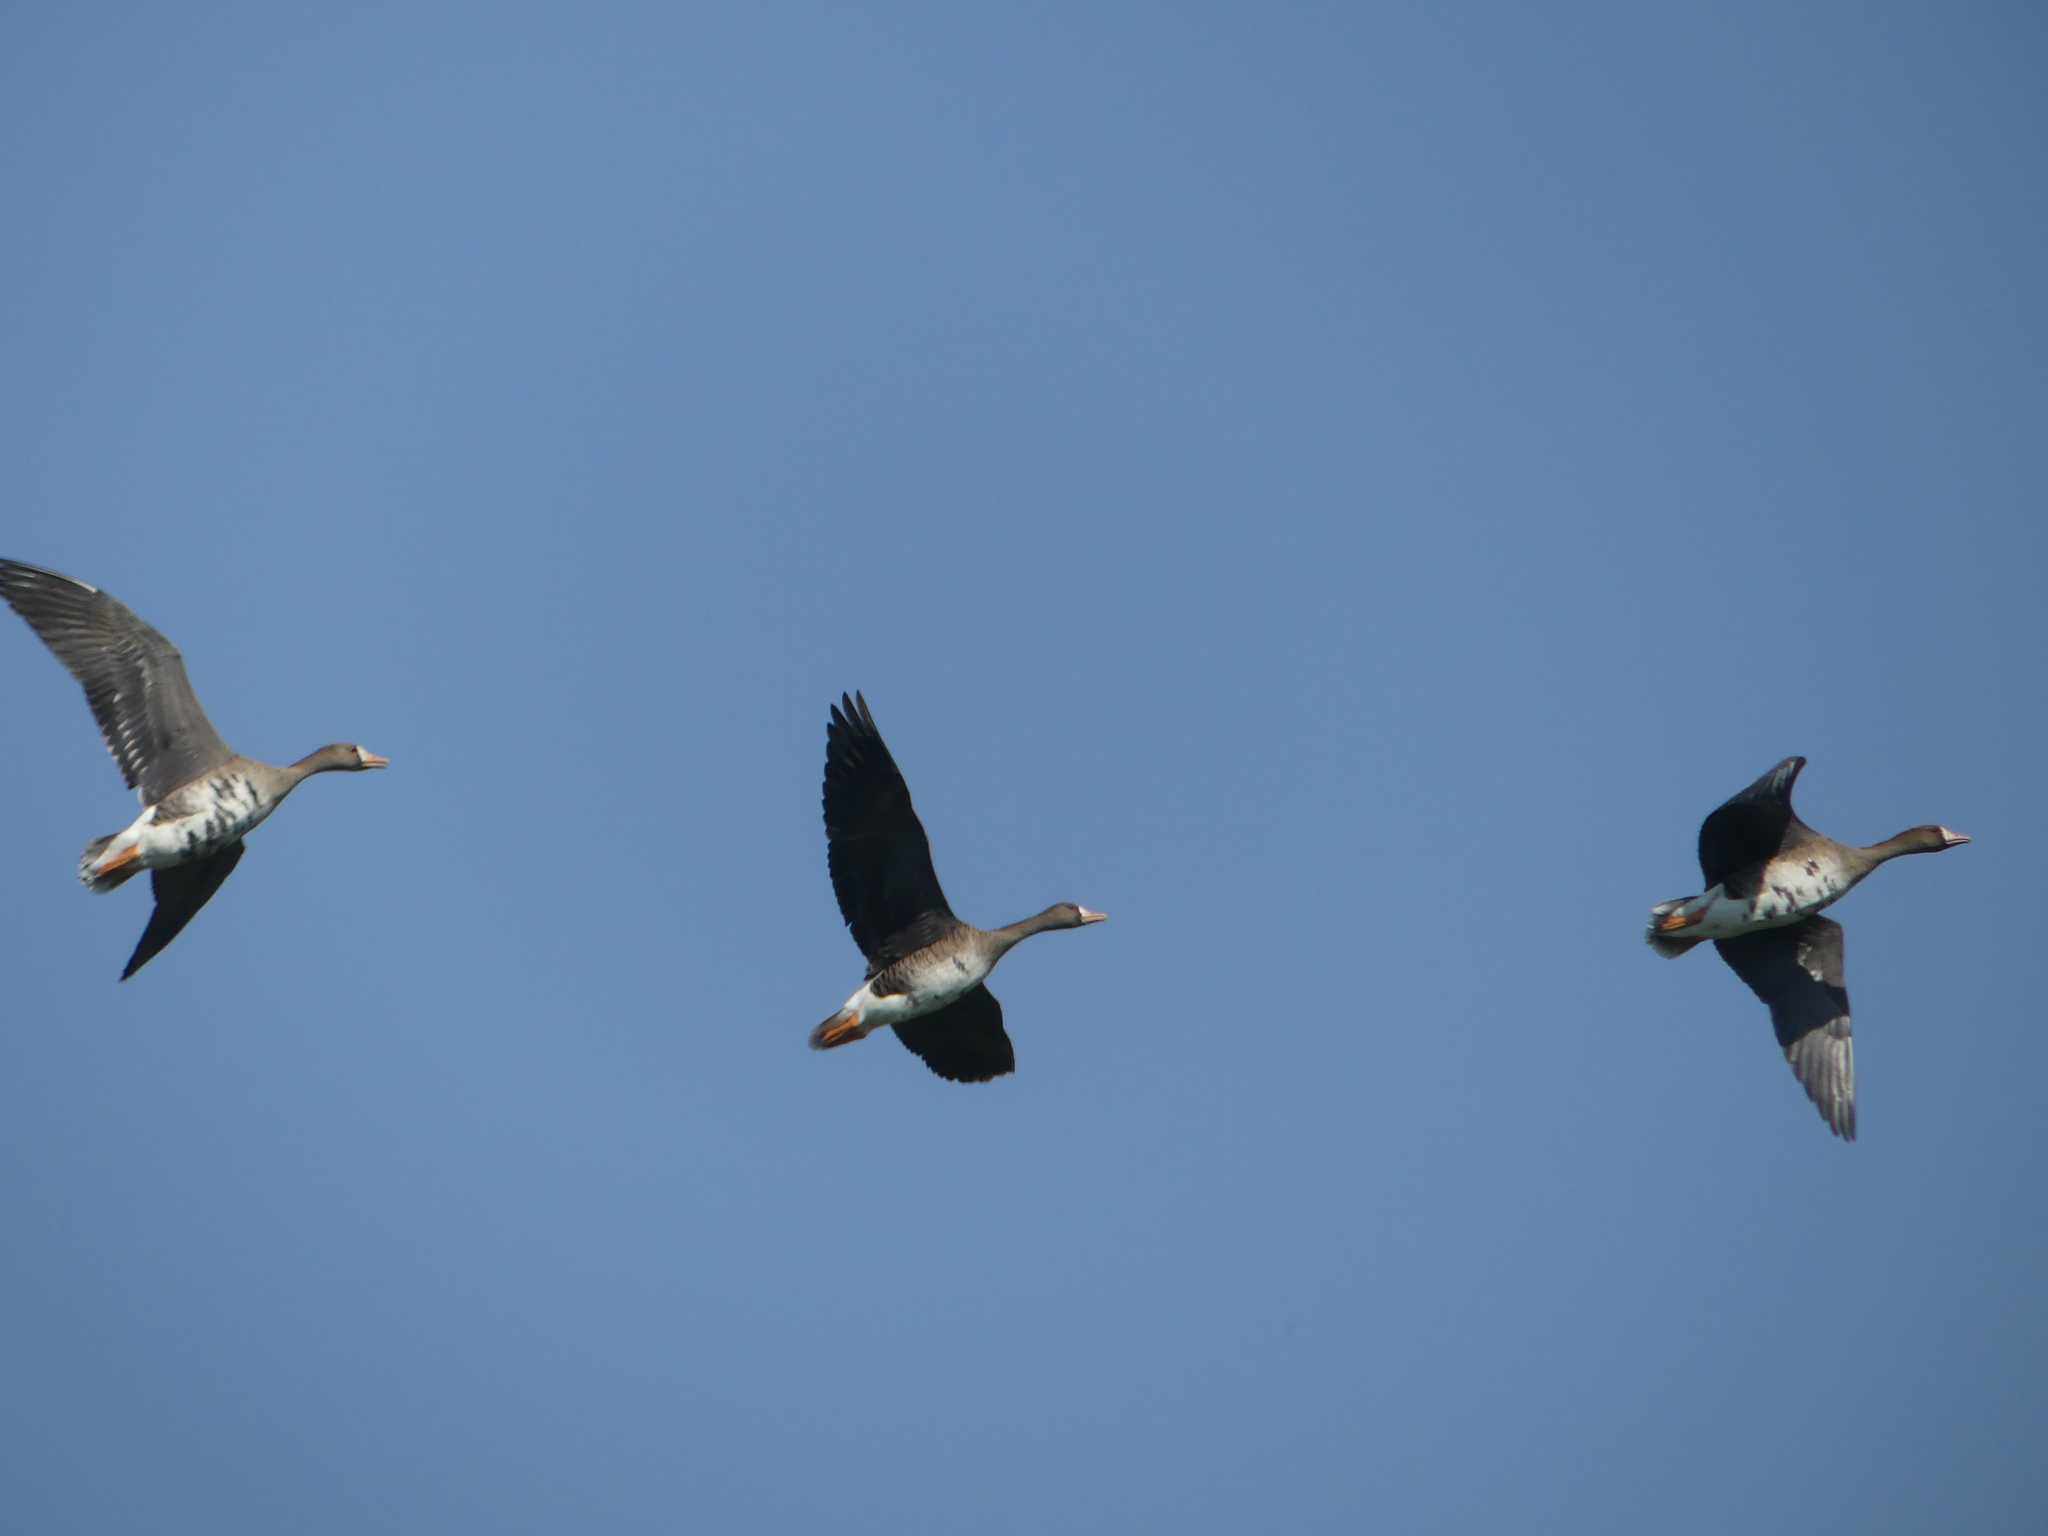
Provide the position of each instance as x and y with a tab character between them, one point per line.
1343	489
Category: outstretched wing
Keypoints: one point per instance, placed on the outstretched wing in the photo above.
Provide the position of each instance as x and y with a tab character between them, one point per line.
1797	971
181	891
880	859
964	1042
133	677
1750	826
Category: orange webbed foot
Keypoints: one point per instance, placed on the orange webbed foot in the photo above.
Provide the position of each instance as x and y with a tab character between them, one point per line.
845	1032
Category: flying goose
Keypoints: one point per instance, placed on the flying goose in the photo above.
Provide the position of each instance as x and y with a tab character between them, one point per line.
926	968
1768	874
199	799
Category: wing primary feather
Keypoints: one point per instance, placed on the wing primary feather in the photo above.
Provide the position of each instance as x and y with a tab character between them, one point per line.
181	891
133	678
876	849
965	1041
1797	972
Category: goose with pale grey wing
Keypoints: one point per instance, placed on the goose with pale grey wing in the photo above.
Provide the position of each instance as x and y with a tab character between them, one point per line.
199	798
1768	875
926	968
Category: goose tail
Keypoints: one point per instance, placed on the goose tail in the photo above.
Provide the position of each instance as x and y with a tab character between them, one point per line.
101	878
843	1028
1658	938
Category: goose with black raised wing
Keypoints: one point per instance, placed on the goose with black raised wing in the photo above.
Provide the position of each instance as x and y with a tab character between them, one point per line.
926	969
1768	876
199	797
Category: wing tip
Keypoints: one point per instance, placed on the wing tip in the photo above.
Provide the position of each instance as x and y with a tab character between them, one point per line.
1783	776
22	573
971	1077
852	715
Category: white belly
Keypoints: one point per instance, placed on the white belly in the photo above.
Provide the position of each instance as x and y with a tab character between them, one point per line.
1791	896
931	988
224	808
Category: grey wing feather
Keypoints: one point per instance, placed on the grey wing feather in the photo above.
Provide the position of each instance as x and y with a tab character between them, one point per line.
880	859
181	891
1797	972
133	677
963	1042
1750	826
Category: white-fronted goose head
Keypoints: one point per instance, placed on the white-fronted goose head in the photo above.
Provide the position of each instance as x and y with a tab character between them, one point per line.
1768	876
199	797
925	968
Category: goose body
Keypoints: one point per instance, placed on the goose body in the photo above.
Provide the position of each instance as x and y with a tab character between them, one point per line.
922	982
1770	875
1788	888
925	967
195	821
199	797
940	973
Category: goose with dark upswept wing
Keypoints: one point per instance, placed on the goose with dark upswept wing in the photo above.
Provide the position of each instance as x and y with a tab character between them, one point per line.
926	968
1768	875
199	798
